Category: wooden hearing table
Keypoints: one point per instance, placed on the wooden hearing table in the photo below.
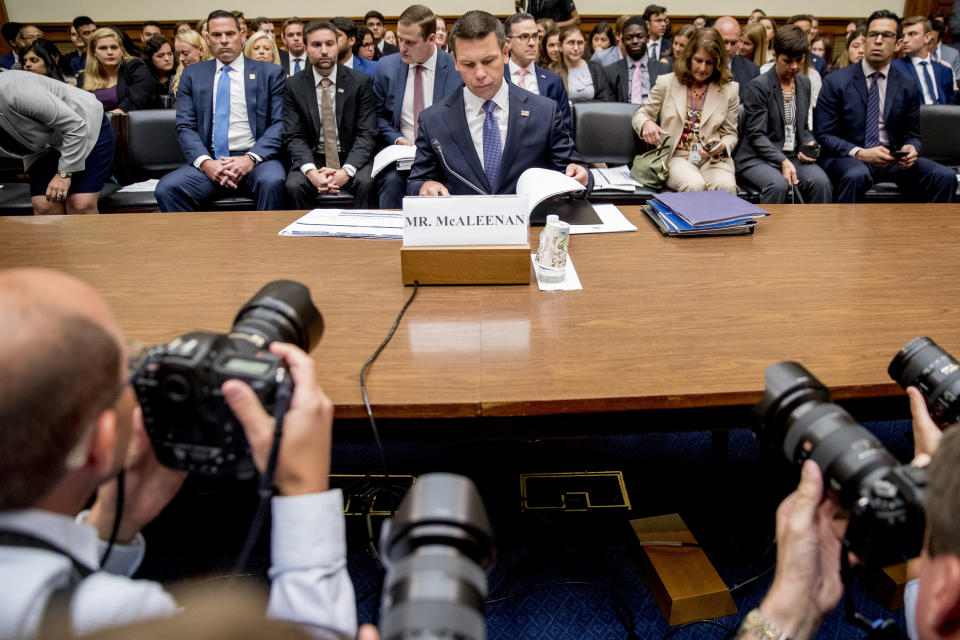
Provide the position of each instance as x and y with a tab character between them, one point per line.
661	323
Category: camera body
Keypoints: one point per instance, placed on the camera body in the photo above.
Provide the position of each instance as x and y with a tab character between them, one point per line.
178	384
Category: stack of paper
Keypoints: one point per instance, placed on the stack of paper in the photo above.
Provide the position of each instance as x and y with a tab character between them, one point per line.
354	223
614	179
703	213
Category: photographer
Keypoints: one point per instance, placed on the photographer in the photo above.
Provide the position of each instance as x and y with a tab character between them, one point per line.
807	584
68	425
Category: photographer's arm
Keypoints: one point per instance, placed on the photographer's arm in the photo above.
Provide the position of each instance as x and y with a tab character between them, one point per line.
311	586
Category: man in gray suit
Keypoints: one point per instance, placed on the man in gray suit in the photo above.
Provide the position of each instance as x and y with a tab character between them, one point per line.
61	135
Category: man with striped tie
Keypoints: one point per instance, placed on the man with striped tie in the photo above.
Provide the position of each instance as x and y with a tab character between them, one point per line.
867	121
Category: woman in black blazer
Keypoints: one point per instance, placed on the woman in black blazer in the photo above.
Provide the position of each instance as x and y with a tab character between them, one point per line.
584	80
778	149
120	81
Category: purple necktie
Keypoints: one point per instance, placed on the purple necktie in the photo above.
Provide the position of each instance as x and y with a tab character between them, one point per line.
491	145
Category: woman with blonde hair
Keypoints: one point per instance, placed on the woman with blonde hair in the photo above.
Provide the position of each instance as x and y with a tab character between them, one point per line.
121	82
191	48
753	43
262	46
697	106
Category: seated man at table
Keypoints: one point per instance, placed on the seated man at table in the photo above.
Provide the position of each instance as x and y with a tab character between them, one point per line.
490	131
229	121
867	121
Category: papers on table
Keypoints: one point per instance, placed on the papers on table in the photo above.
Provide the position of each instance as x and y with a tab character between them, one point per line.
614	179
612	221
570	282
402	154
539	184
702	213
354	223
147	186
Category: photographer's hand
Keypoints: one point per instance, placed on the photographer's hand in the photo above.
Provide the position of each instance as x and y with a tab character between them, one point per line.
303	465
148	488
926	434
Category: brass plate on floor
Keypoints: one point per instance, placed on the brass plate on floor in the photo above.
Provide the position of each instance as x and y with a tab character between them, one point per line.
363	495
573	491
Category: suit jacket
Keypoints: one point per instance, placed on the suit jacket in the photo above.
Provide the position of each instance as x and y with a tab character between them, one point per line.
839	119
355	109
387	48
619	77
950	57
668	103
536	137
666	47
550	86
41	113
7	61
942	78
368	67
819	64
136	87
602	91
763	123
390	82
285	62
263	85
744	71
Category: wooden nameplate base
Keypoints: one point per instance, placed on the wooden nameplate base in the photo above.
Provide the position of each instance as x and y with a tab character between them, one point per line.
682	580
466	264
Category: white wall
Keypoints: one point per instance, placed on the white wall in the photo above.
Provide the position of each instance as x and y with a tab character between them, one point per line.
114	10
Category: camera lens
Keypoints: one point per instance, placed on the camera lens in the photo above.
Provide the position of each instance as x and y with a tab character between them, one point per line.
924	364
281	311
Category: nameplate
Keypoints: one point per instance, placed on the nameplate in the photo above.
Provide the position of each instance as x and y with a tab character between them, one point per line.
465	220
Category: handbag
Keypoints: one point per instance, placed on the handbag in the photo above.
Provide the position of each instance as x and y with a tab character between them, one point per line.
652	168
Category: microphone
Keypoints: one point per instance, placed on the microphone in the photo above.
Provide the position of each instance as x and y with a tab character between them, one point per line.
436	147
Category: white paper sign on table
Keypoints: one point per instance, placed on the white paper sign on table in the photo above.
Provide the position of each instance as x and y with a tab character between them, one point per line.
432	221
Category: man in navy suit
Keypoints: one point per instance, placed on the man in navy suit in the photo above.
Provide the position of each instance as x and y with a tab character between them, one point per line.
406	83
743	70
869	111
935	80
522	39
490	131
346	38
229	121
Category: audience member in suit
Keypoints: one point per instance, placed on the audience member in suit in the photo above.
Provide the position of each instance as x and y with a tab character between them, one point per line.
26	35
935	80
945	54
624	74
522	70
419	66
347	113
230	122
347	42
85	27
67	58
697	106
772	155
373	20
655	24
490	131
11	33
806	23
120	81
294	59
61	134
857	137
585	81
743	70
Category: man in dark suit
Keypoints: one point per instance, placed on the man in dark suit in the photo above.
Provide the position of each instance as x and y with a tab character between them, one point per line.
523	42
229	121
491	130
11	33
857	143
294	59
406	83
743	70
935	80
346	39
635	65
373	20
330	139
655	25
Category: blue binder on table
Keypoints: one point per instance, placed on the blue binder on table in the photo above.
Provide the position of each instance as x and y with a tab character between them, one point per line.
702	213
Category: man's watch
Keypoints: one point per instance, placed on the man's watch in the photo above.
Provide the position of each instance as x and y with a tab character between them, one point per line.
65	174
253	158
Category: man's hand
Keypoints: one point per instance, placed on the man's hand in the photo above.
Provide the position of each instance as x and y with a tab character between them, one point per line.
578	173
926	434
303	465
213	170
404	142
807	584
433	188
334	179
57	189
368	632
318	180
235	168
908	160
148	488
876	155
651	132
789	171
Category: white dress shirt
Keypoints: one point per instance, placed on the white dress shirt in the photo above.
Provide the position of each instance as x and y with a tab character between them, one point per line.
308	570
867	70
655	44
931	77
332	93
473	106
349	63
293	63
240	137
532	83
428	76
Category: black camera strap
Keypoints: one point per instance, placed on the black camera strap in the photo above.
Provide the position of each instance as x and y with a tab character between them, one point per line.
879	629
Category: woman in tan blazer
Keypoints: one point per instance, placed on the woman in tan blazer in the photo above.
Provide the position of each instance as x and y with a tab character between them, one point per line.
697	106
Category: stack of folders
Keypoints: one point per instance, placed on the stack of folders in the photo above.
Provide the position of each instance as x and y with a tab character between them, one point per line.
702	213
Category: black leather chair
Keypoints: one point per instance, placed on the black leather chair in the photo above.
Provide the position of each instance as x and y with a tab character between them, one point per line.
747	191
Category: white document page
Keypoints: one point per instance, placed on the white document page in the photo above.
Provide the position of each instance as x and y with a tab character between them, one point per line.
400	153
348	223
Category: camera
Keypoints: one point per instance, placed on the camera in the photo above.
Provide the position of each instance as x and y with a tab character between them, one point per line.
885	498
925	365
178	384
436	549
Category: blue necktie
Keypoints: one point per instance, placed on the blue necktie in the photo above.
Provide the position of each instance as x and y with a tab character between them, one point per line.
491	145
221	116
872	138
296	65
928	80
